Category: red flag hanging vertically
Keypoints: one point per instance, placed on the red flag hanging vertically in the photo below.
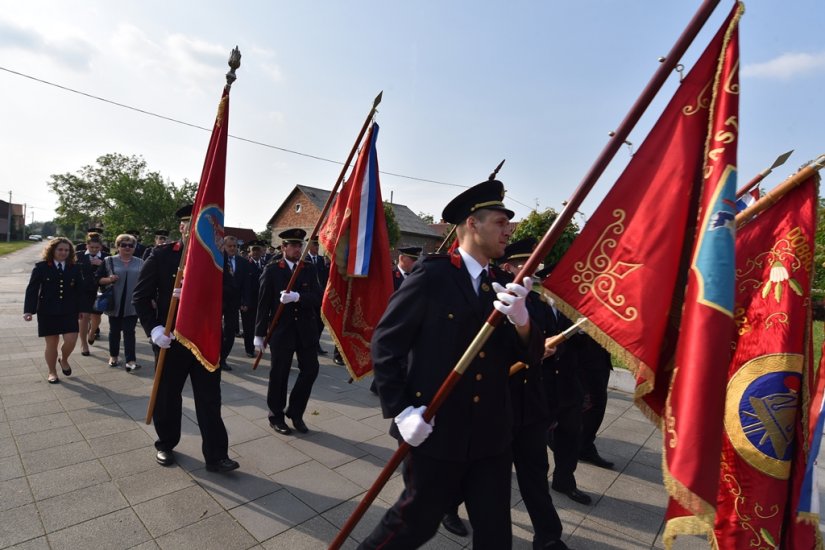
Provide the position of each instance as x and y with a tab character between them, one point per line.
770	376
661	239
360	281
198	323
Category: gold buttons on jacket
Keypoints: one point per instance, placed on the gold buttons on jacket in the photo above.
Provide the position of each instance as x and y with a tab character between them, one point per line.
418	394
482	355
450	316
478	376
476	399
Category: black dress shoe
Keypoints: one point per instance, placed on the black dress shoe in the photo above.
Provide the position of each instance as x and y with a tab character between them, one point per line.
226	367
165	458
595	459
299	423
222	466
279	426
250	354
555	545
575	495
454	525
337	359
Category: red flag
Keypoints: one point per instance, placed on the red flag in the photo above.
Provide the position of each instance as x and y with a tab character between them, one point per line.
198	323
663	237
360	281
770	376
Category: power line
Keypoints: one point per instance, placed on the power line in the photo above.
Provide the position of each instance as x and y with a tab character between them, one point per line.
239	138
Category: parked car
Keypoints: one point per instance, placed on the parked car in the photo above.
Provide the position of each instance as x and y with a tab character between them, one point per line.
35	237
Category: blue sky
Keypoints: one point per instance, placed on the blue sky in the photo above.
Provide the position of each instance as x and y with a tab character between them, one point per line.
465	84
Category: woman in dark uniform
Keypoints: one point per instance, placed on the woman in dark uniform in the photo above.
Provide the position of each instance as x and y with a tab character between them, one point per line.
54	293
89	260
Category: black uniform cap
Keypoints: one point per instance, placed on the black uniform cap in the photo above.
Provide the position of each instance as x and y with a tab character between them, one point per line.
545	272
256	244
134	232
519	250
161	233
95	230
487	194
294	235
412	251
184	212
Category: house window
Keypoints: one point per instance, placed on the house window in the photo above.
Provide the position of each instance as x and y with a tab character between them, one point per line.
298	207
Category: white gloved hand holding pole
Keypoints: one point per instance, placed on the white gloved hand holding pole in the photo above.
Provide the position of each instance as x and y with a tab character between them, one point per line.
289	297
412	427
160	339
259	343
512	301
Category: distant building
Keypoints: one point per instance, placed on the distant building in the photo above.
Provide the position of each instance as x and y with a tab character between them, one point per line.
243	234
18	221
304	204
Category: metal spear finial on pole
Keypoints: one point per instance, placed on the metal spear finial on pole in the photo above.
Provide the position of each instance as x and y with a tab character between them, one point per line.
780	160
234	62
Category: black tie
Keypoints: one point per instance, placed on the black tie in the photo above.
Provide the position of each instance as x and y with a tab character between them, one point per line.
483	289
60	268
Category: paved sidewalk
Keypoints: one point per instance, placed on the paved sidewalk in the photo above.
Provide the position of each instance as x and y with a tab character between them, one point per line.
77	467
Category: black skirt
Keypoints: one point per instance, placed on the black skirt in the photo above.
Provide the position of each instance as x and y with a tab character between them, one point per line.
50	325
87	302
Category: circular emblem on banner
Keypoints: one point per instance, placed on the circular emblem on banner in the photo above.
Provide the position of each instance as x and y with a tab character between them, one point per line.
760	411
209	232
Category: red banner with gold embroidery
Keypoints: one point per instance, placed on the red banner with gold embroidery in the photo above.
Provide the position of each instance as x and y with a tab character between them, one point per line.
770	376
655	262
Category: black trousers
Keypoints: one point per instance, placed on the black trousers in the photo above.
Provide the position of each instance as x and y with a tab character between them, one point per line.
206	387
432	486
126	325
595	386
282	354
248	322
532	466
565	439
230	328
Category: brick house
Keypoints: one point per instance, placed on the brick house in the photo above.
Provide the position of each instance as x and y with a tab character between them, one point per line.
304	204
243	234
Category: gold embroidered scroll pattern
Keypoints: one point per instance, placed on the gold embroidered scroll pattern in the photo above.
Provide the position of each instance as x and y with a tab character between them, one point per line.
762	539
599	274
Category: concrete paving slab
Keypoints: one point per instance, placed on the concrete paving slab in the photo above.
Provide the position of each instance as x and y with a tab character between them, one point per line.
176	510
219	532
19	525
121	529
272	514
79	506
317	486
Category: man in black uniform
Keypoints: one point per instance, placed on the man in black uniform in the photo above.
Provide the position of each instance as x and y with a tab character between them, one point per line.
161	236
235	294
322	274
594	373
531	418
255	268
406	260
429	323
296	332
155	287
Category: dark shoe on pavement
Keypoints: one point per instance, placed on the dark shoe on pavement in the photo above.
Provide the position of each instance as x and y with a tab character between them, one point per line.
279	425
556	545
66	371
165	458
337	359
299	423
575	495
250	354
454	525
224	465
595	459
225	366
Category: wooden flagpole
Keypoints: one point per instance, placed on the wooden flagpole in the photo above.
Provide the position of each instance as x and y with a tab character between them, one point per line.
545	245
234	63
300	264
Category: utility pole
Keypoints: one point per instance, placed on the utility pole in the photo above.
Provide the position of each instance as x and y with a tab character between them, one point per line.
8	228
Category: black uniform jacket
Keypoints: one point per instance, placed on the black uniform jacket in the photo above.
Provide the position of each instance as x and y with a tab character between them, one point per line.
561	379
397	278
527	385
429	323
155	284
50	293
253	274
301	314
236	283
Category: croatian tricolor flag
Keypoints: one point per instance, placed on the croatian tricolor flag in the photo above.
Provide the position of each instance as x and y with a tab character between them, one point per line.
364	200
747	199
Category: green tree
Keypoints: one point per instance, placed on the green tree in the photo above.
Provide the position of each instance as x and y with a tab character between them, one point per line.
393	230
536	225
265	235
120	193
426	218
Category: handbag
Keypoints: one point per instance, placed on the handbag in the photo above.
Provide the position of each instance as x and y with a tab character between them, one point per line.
106	297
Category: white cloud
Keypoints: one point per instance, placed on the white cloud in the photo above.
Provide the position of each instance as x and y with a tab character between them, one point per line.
786	66
67	50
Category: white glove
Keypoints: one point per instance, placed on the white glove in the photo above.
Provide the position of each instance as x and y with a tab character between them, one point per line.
160	339
176	292
259	343
289	297
512	301
411	425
